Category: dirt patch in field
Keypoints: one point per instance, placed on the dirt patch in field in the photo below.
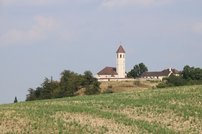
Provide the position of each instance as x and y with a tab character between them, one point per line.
11	122
95	123
167	119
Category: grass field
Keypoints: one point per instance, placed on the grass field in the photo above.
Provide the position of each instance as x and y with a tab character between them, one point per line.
158	111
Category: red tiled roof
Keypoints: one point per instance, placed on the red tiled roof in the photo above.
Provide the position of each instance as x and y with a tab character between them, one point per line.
120	50
149	74
108	71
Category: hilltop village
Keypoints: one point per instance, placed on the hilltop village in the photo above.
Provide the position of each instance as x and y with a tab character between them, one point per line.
118	73
73	84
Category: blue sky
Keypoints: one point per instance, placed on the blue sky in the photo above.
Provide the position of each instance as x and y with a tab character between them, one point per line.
41	38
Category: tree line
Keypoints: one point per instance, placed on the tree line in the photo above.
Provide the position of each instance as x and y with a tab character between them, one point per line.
69	85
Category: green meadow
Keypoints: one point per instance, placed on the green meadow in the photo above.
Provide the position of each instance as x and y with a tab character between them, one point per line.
157	111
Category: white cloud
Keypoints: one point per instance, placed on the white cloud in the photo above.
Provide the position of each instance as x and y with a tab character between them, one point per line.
37	31
198	27
123	3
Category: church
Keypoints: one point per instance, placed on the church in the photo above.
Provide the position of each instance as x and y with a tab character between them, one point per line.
114	73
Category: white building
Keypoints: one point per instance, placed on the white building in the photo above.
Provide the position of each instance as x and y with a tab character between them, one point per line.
160	75
114	73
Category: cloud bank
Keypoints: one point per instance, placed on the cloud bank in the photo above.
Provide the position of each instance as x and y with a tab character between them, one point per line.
37	31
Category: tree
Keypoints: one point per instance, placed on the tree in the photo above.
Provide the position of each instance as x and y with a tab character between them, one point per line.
70	82
192	73
187	72
88	76
48	89
15	100
91	84
137	70
31	95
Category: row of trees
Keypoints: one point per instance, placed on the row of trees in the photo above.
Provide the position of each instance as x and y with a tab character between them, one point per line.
189	76
70	83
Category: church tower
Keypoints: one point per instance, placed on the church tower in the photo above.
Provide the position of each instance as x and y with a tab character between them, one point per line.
120	62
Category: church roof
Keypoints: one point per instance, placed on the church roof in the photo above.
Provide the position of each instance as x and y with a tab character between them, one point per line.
108	71
157	74
120	50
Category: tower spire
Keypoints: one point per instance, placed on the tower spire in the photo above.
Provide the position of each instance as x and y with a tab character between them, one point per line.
120	50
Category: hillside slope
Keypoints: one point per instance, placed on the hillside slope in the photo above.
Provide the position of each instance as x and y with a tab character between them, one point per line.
171	110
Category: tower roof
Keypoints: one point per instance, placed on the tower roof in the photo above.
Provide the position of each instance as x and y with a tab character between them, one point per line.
120	50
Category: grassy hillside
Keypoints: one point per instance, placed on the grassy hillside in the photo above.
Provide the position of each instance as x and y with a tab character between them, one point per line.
123	86
171	110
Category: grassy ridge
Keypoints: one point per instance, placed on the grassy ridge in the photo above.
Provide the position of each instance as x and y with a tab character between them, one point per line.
171	110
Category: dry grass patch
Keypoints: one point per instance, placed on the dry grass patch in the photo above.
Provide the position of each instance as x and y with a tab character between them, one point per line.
96	123
168	119
122	86
11	122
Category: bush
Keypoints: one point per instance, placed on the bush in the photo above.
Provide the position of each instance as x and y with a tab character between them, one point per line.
93	89
176	80
137	83
172	81
194	82
110	86
108	91
161	85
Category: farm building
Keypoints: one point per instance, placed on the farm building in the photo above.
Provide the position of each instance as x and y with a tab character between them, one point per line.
160	75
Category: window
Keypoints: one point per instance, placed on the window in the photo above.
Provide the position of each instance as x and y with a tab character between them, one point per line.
120	55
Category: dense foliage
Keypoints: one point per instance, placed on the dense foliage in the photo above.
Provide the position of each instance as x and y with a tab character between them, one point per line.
70	83
189	76
137	70
192	73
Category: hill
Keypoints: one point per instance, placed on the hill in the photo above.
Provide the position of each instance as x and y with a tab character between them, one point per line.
169	110
123	86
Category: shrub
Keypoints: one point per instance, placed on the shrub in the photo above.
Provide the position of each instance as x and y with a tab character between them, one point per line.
172	81
137	83
176	80
110	86
93	89
108	91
